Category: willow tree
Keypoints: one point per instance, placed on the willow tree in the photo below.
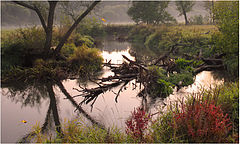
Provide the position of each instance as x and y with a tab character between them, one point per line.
46	16
184	7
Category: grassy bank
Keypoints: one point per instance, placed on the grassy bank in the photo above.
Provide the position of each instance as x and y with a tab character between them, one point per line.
22	59
160	38
208	116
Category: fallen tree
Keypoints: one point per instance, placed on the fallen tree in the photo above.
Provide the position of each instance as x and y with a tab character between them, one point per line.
158	79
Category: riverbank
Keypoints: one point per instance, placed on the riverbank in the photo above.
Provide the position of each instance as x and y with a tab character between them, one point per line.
182	122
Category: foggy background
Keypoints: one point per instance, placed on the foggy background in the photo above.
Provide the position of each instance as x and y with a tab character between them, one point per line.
13	15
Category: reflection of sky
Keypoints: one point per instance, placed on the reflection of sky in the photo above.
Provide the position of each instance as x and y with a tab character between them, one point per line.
116	57
114	46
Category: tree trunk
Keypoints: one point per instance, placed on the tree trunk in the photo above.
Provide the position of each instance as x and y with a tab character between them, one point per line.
69	32
185	17
184	14
49	30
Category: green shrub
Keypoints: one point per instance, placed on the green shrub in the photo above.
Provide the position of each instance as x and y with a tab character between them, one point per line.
17	45
68	49
90	26
85	59
140	33
226	14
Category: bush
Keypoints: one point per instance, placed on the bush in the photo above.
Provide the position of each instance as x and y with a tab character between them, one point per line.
137	124
202	121
85	60
226	41
90	26
18	45
209	116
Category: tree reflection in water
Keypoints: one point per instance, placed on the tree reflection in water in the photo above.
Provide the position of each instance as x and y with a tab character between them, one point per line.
33	95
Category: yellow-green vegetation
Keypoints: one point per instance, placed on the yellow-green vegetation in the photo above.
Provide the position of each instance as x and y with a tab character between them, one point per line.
85	59
226	41
23	59
208	116
160	38
77	131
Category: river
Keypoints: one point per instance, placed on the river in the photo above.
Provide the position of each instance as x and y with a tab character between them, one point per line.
32	103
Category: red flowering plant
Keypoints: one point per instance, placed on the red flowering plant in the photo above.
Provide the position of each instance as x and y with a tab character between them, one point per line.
137	124
202	121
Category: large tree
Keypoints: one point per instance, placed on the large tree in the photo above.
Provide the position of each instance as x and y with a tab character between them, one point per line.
46	15
152	12
184	7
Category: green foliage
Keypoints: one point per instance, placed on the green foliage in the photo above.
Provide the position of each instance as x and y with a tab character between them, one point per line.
85	59
19	44
79	40
77	131
182	79
91	26
161	38
164	88
196	20
162	130
139	33
152	12
81	61
153	40
68	49
226	15
159	86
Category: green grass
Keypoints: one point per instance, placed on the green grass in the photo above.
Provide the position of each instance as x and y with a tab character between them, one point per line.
161	38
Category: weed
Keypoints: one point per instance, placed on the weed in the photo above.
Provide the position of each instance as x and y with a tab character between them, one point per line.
137	124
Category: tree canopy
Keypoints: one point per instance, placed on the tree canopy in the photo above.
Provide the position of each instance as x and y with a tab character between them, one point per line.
152	12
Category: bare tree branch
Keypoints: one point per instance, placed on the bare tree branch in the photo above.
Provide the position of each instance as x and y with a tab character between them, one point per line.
69	32
34	8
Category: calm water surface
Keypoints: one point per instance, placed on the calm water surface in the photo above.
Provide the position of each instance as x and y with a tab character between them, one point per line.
32	103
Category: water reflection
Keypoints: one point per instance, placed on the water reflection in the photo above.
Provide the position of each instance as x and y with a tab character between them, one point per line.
25	94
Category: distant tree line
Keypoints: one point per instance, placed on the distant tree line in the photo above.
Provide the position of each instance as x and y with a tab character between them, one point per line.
154	12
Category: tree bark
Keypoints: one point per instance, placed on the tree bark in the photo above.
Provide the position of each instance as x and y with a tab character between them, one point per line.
69	32
34	8
184	14
49	30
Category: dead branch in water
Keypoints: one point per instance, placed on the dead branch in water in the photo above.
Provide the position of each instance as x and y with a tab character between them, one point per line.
130	70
